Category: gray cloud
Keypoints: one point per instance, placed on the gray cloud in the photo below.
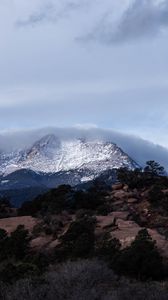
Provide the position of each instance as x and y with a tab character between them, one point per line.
52	11
139	149
142	18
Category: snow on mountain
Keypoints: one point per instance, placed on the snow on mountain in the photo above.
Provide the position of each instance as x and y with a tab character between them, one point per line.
51	154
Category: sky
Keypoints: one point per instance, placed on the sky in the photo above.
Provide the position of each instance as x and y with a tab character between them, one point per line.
83	63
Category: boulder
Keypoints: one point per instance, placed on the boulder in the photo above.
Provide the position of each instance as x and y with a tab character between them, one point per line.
117	186
132	200
40	242
165	191
125	188
145	194
105	221
120	194
123	215
131	195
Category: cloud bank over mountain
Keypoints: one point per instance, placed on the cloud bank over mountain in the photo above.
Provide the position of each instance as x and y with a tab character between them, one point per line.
138	149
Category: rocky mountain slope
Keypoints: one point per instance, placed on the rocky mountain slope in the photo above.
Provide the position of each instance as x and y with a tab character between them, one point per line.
52	155
52	161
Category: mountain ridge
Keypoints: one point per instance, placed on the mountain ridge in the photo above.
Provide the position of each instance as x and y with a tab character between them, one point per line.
51	162
51	155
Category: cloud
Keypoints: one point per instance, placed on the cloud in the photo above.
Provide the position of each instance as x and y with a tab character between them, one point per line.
142	18
52	11
139	149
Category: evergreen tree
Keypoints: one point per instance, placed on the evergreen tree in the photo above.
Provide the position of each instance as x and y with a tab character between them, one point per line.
141	260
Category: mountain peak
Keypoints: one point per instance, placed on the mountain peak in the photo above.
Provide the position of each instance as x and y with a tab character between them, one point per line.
44	146
51	154
46	141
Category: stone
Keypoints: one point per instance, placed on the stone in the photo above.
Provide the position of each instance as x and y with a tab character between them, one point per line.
125	188
123	215
120	194
131	195
132	200
165	191
117	186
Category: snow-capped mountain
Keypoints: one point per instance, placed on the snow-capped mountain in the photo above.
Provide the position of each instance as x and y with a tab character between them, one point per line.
52	161
52	155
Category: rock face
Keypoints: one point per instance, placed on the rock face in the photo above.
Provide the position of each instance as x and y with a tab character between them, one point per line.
131	212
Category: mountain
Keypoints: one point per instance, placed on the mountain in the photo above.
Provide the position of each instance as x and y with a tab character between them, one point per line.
52	161
52	155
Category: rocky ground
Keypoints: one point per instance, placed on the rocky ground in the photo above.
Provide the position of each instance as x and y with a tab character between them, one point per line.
130	211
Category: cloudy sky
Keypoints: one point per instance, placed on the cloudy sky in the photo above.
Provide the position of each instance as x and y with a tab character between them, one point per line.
85	63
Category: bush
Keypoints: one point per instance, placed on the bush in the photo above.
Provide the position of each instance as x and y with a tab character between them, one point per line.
138	178
53	201
18	243
5	207
79	240
13	272
14	246
133	178
107	248
141	260
3	244
85	279
156	196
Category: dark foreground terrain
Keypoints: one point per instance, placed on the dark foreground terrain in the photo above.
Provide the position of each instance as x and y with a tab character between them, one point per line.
103	242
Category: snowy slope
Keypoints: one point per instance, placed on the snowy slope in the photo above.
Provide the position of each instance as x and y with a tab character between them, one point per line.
52	155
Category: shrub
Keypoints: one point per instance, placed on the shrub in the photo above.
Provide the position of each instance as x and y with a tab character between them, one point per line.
3	244
13	272
107	248
53	201
85	279
133	178
18	243
156	196
79	240
141	260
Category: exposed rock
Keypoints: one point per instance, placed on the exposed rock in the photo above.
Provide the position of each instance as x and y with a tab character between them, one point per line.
40	242
54	244
132	200
126	188
145	194
132	195
120	194
143	206
117	186
123	215
165	191
118	202
126	232
105	221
